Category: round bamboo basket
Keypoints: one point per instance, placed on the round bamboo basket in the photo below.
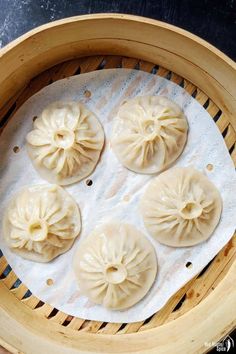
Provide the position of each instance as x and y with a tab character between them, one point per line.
204	310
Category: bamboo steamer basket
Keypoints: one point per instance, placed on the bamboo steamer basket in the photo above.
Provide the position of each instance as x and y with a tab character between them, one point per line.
204	310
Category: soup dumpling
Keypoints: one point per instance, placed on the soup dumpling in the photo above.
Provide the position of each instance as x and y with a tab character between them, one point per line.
115	266
41	222
181	207
149	133
66	142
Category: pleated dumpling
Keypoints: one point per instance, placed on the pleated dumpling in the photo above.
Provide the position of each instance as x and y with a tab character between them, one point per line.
149	133
115	266
41	222
66	142
181	207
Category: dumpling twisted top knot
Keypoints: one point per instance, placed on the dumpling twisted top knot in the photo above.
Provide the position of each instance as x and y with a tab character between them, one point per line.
66	142
149	133
181	207
41	222
115	266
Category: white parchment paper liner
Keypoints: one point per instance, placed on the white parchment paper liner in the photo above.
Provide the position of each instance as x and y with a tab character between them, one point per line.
115	192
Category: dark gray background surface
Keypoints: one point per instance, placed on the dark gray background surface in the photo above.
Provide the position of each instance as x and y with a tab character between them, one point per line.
213	20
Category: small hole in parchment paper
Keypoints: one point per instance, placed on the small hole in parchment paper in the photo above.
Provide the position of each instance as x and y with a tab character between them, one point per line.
87	93
209	167
89	182
49	282
126	198
188	265
16	149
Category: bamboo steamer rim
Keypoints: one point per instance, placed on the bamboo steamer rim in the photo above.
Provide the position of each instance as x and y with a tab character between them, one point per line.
209	321
135	18
127	35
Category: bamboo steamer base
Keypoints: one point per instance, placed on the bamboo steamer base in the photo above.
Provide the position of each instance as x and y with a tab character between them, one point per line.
202	311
